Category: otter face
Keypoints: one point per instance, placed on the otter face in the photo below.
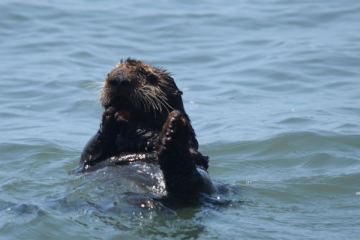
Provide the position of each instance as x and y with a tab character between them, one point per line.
138	87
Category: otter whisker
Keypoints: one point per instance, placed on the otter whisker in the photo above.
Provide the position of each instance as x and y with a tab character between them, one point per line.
148	102
136	99
158	99
144	101
148	96
164	101
154	104
158	102
104	97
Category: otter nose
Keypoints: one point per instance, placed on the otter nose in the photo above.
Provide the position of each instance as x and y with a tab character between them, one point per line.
119	82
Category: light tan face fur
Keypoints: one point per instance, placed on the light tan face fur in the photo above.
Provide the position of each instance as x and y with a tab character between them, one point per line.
147	89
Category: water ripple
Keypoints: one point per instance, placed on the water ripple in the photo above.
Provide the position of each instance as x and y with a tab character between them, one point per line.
271	88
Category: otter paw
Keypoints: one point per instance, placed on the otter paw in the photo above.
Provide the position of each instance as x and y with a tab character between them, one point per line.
108	123
173	134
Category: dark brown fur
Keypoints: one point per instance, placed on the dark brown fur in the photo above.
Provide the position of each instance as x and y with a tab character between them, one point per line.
144	120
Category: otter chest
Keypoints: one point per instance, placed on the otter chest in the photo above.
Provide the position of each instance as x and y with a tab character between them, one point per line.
138	139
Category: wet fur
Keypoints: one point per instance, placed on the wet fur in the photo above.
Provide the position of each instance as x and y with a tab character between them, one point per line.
144	120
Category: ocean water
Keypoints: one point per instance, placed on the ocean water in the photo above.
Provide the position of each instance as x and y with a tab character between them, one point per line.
272	89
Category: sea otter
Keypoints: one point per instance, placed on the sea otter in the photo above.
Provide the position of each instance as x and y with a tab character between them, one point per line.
144	120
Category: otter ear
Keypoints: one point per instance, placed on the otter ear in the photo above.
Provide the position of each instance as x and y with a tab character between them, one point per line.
178	93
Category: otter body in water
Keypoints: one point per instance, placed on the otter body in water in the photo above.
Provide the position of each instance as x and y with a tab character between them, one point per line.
144	120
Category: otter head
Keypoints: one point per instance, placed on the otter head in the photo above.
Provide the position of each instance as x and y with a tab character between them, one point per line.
142	90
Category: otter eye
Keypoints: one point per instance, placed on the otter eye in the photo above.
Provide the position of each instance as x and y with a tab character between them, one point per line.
152	79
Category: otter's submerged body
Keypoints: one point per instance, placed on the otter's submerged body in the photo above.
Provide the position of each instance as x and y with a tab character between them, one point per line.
144	120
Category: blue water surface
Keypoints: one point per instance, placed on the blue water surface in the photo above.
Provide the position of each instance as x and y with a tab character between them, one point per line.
272	89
